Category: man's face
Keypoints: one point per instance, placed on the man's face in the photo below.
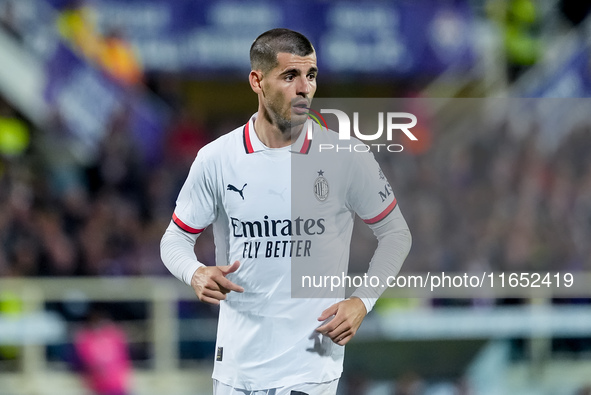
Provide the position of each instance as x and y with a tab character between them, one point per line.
289	87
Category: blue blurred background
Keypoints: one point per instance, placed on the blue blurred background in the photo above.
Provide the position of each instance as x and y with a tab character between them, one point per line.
105	103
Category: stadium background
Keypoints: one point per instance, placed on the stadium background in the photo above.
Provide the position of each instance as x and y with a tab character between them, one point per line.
104	103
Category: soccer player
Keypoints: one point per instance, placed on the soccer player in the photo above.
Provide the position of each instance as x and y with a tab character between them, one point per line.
272	199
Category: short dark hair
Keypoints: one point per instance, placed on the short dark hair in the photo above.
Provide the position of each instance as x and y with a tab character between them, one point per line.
264	50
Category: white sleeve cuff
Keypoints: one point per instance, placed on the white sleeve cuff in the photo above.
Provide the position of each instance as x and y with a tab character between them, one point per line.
369	303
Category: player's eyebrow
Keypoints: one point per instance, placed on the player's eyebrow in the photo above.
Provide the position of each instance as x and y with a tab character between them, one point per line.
296	71
291	71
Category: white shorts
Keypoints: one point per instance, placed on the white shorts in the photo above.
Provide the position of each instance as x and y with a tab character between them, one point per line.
327	388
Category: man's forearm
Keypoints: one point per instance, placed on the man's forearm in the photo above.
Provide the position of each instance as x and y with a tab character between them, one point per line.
178	254
394	241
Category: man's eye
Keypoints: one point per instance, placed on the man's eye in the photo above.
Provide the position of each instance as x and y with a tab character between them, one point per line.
289	77
311	77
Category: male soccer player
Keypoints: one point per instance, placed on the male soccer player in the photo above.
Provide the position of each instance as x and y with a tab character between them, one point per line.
273	198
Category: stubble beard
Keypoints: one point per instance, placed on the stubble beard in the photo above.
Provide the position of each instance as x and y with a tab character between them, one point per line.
287	125
291	127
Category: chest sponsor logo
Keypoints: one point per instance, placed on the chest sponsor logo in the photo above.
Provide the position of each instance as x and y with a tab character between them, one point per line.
285	237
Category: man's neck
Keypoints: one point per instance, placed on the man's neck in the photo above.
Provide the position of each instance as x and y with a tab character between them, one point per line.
271	134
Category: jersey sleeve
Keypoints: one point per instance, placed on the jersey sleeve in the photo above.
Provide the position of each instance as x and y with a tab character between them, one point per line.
372	198
369	194
196	205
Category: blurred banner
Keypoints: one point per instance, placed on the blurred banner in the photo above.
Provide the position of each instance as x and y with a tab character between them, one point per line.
89	104
423	37
570	78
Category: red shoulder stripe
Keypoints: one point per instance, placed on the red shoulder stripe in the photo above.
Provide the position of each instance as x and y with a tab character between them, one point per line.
184	226
382	215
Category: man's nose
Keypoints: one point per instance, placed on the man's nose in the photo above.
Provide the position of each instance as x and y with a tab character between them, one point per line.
303	86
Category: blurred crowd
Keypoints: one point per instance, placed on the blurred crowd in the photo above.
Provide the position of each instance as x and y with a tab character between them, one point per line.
493	198
60	217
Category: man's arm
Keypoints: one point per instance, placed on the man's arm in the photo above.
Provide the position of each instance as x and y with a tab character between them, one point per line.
394	241
209	282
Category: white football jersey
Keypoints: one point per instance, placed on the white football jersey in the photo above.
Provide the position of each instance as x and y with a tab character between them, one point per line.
271	209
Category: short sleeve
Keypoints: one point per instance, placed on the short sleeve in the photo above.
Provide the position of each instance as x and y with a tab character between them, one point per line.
369	194
197	201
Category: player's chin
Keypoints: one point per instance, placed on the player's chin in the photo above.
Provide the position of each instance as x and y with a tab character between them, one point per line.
298	119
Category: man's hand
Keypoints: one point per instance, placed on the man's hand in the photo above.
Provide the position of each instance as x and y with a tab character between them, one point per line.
348	316
211	285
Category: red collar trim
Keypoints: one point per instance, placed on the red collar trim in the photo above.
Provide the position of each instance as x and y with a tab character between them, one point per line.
247	139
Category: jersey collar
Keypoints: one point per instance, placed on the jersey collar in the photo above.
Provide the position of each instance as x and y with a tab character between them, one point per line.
252	143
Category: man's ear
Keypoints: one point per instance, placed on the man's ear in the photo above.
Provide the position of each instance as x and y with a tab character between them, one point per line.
255	78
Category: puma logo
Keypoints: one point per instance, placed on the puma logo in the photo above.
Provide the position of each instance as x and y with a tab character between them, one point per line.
233	188
280	194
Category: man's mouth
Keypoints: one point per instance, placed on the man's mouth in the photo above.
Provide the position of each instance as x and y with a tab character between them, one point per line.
300	107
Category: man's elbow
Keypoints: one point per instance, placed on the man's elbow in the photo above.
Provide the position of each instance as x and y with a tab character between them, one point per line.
407	239
163	243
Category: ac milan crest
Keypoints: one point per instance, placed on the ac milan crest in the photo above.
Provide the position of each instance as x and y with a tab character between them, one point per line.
321	187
